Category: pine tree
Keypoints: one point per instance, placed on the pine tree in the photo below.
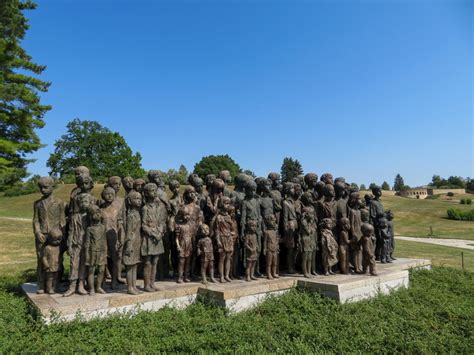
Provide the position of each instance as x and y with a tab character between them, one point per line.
20	109
290	169
399	184
385	186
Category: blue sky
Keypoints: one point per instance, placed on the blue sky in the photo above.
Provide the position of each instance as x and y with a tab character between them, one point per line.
362	89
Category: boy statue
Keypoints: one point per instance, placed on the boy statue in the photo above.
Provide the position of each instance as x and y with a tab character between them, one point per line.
95	245
206	251
49	222
271	247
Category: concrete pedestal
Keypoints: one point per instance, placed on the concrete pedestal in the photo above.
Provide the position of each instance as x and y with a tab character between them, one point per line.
237	295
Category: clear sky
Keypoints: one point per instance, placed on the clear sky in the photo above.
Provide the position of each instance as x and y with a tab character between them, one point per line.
362	89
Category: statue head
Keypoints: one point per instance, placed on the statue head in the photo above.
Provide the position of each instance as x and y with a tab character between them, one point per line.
367	229
108	194
154	176
328	192
192	178
86	184
115	182
225	176
95	214
224	204
326	223
204	230
198	184
275	178
344	224
389	215
184	215
376	191
218	186
209	181
259	181
310	180
189	194
307	198
46	185
340	189
138	185
270	222
134	199
354	200
174	186
250	188
240	180
127	182
327	179
251	226
289	189
150	190
340	179
84	201
319	188
80	171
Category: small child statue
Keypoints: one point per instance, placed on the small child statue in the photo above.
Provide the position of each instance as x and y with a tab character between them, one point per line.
206	251
49	223
184	243
223	228
95	245
271	247
133	238
251	248
385	237
391	233
307	241
367	241
329	246
344	225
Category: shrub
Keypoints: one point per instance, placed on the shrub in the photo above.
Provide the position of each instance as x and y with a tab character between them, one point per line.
460	215
462	201
450	194
468	201
23	188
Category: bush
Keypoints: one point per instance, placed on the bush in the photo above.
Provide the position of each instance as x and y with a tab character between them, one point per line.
468	201
460	215
450	194
23	188
462	201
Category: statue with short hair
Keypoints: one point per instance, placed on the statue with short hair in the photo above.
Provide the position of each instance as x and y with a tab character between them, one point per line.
225	176
138	185
391	233
49	222
355	232
133	239
308	234
184	243
271	246
377	212
343	227
290	225
95	245
329	246
252	251
152	237
276	195
205	250
368	259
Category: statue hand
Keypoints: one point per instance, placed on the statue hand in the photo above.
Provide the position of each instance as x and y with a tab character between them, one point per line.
41	238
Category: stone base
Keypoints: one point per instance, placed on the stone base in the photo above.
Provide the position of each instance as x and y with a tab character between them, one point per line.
237	296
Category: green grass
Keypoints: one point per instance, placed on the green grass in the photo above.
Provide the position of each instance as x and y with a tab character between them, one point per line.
414	218
435	314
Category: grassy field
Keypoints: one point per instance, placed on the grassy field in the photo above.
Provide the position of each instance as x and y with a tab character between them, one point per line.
435	314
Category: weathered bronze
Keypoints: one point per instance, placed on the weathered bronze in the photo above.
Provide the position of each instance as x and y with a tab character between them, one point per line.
95	245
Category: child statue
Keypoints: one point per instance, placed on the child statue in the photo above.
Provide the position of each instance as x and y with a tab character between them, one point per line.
196	219
49	222
290	225
206	251
112	214
170	257
215	193
251	249
276	195
184	243
368	258
198	185
138	185
225	176
133	238
355	232
327	208
271	246
95	245
385	236
78	224
308	237
152	239
223	228
391	233
329	246
344	227
308	201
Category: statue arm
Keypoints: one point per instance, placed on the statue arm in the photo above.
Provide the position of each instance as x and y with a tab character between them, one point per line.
36	223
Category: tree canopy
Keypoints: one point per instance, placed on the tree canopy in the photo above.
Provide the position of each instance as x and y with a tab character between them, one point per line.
399	184
385	186
88	143
290	169
21	111
451	182
213	164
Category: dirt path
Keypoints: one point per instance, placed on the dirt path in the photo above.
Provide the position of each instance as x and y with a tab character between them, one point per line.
456	243
17	219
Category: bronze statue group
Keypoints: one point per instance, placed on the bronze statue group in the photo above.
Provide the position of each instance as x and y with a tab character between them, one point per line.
260	227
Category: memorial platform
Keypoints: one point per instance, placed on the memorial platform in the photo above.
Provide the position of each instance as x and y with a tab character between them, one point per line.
237	295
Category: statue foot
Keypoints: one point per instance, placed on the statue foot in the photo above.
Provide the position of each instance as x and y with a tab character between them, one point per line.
137	291
187	280
101	290
222	280
69	292
227	278
248	278
326	273
254	277
91	293
270	277
213	279
40	292
392	257
373	273
132	291
121	280
81	290
308	276
383	261
148	289
180	280
314	273
51	292
276	276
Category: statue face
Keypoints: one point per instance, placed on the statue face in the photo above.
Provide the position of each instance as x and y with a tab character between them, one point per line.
45	189
186	216
252	226
96	216
204	230
115	184
127	183
108	195
80	173
86	185
136	201
151	192
84	202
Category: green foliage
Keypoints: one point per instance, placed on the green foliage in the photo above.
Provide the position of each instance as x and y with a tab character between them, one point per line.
372	185
460	215
434	315
181	175
453	182
249	173
213	164
470	185
363	187
354	186
450	194
385	186
290	169
23	188
21	111
88	143
399	184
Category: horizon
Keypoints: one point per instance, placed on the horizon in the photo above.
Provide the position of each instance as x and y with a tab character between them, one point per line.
361	89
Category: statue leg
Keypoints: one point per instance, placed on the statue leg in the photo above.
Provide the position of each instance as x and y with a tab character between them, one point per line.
204	266
90	280
154	267
221	266
211	270
130	281
50	282
146	274
119	267
100	279
248	270
180	271
290	259
269	259
275	265
40	274
187	263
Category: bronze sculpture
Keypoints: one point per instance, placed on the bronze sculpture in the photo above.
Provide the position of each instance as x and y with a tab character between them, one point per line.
205	251
368	237
271	248
251	249
95	245
184	243
329	246
290	225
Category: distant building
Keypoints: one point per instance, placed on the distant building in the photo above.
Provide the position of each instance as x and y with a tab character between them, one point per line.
423	192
